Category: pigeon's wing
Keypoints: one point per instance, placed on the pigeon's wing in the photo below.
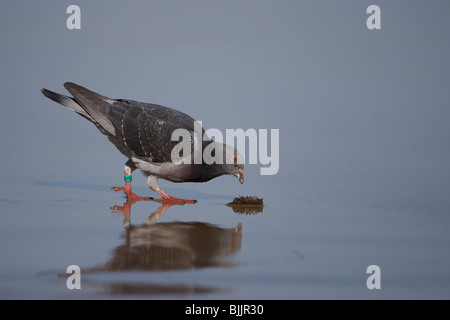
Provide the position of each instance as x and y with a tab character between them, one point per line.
146	129
137	129
94	104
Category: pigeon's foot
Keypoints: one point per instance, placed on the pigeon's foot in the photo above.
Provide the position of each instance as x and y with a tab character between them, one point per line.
171	200
126	210
129	193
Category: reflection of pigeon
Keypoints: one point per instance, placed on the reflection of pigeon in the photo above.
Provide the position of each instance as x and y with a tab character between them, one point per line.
143	132
174	246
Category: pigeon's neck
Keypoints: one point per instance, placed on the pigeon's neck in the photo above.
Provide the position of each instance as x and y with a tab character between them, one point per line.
215	156
218	170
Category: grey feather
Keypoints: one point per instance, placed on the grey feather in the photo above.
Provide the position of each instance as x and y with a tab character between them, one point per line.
94	104
69	102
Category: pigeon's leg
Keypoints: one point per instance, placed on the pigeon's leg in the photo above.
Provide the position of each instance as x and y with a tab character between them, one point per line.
126	210
158	213
152	182
127	187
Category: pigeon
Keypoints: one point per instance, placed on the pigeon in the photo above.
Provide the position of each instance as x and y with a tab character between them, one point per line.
143	133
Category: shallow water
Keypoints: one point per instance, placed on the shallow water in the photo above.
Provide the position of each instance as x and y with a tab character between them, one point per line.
314	241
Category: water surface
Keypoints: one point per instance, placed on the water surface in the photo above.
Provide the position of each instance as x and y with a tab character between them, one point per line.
312	242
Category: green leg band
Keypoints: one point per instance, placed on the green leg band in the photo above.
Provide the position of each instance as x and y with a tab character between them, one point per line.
128	178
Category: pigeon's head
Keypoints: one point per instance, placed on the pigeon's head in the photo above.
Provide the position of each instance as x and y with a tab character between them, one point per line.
234	163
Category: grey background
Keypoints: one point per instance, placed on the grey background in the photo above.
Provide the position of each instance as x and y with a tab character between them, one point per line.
346	99
363	118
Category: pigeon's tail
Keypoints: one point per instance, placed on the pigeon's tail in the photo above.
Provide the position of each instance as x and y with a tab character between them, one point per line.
66	101
86	103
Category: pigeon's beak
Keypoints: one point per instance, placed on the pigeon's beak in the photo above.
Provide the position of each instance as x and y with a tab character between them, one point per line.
241	175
